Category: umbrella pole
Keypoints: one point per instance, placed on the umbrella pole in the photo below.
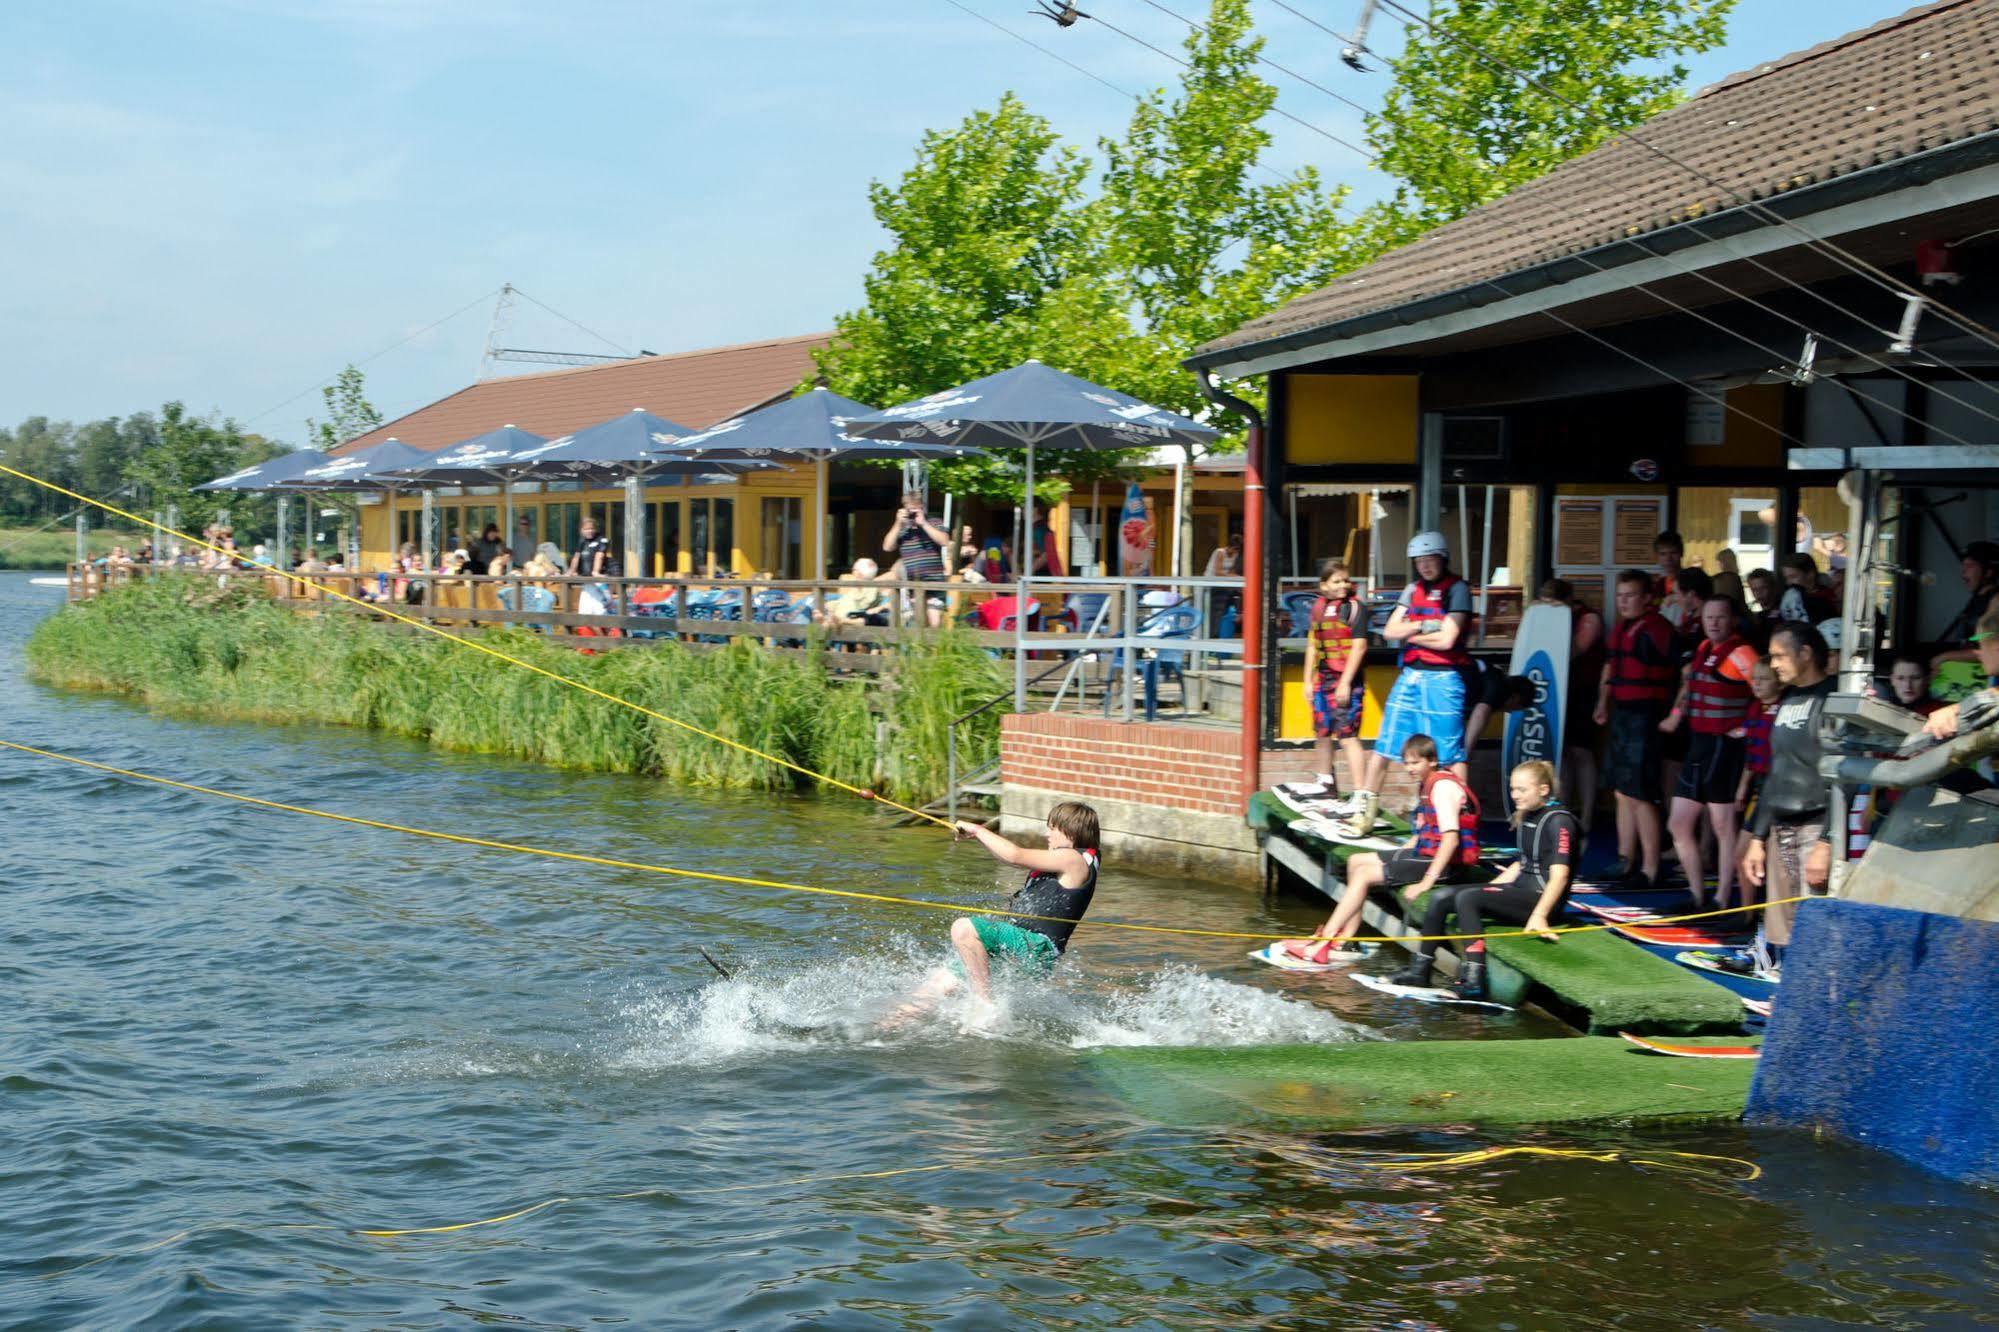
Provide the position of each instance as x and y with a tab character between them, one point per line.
635	530
822	568
507	491
428	525
283	560
1020	589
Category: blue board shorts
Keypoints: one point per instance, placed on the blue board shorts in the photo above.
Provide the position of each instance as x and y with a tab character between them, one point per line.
1013	948
1428	703
1331	722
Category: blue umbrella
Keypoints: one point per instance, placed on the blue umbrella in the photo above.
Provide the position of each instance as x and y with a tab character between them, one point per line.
480	460
625	449
365	469
1030	407
810	426
269	474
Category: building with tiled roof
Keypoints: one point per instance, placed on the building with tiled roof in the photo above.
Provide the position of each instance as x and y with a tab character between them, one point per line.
695	388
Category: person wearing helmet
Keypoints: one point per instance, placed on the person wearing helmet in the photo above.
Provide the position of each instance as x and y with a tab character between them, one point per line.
1428	698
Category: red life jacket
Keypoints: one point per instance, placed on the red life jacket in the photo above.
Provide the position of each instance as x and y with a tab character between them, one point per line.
1429	836
1333	633
1426	607
1633	681
1716	704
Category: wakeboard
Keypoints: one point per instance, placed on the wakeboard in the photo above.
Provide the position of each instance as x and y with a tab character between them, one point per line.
1704	961
1686	936
1328	830
1274	955
1316	808
1760	1007
1424	994
1693	1051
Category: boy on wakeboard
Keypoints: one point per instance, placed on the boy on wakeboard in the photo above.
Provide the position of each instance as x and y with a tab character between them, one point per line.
1060	883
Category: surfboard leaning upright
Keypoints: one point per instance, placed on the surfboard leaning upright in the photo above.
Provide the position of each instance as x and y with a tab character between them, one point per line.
1541	653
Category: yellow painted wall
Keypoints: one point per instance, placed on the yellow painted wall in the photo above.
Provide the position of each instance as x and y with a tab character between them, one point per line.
1294	713
1351	418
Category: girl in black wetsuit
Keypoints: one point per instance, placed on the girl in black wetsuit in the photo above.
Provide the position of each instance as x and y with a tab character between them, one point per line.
1530	891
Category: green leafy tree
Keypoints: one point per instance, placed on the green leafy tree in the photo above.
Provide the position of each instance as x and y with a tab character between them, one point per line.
1203	238
188	451
43	448
1458	130
993	258
348	411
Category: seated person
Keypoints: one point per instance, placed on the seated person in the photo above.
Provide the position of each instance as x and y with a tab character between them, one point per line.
1943	723
1444	842
1980	570
853	604
1530	891
1488	689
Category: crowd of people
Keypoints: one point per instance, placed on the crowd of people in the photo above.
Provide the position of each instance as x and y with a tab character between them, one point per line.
1703	710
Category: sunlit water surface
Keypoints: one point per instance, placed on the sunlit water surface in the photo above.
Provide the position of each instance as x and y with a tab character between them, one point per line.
233	1040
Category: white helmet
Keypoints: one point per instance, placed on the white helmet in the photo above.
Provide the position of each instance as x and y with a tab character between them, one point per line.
1429	543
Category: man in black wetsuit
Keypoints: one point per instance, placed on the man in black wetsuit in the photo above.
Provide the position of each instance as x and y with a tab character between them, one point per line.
1788	845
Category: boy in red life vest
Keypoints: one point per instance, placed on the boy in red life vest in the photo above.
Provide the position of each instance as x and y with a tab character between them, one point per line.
1445	842
1335	651
1713	704
1428	697
1640	671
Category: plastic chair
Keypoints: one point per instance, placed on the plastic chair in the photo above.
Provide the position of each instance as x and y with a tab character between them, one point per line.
1298	605
652	603
536	600
1164	624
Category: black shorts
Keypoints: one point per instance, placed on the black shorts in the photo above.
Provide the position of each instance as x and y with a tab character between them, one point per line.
1712	771
1633	763
1403	866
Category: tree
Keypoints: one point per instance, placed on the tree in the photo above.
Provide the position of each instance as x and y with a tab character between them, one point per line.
348	411
188	451
1202	243
43	448
1458	130
993	259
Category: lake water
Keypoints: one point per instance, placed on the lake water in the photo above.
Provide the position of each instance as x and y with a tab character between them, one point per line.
231	1040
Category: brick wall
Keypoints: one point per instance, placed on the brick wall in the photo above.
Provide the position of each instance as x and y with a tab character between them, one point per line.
1195	768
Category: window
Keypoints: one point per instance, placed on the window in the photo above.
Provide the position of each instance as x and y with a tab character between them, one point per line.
712	536
781	537
477	516
663	536
565	528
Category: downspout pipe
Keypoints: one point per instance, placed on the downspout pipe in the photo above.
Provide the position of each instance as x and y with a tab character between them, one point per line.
1253	572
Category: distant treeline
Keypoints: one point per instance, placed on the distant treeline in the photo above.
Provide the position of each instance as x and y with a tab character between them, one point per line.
93	458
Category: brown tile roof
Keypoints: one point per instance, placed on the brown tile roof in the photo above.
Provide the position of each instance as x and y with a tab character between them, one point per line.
1905	85
695	388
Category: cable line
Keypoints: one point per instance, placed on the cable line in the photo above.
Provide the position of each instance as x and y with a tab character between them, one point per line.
1853	263
1052	55
375	608
1266	60
617	346
850	894
480	299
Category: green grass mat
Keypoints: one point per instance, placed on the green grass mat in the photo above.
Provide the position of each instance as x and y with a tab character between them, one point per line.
1621	986
1381	1083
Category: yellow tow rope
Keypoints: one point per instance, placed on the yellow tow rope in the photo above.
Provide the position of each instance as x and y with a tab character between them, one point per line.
848	893
376	608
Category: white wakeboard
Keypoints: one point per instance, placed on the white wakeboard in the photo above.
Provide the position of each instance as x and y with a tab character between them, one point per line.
1317	808
1328	830
1274	955
1424	994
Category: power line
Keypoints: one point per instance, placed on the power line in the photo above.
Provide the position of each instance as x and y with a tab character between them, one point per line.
1052	55
622	350
1861	267
480	299
1266	60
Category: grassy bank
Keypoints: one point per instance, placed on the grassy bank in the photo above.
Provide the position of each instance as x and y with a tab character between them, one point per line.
186	646
32	548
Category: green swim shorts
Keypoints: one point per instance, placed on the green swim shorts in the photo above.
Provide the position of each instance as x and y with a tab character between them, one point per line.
1008	945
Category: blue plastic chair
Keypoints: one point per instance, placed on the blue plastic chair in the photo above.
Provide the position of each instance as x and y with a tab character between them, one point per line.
1164	624
1298	605
537	600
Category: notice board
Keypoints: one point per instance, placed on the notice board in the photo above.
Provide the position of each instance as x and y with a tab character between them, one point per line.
1597	536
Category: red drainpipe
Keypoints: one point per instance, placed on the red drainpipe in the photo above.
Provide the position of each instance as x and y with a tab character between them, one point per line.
1253	618
1252	615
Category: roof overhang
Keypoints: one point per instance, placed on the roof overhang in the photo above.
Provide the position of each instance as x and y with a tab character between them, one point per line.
1963	173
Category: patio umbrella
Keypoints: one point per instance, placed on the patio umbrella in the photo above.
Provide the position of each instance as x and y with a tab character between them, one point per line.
365	469
267	476
480	460
627	449
1028	407
809	426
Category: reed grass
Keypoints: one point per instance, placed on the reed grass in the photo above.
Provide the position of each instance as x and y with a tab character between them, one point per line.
188	646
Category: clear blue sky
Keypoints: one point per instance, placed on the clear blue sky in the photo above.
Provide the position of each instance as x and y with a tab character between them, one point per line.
225	201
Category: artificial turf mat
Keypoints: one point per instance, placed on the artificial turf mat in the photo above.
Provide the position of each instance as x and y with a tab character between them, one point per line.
1381	1083
1620	986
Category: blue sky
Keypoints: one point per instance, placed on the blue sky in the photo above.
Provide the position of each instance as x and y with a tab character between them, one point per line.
224	201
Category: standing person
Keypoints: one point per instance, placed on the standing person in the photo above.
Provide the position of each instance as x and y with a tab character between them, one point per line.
1225	562
1692	589
919	542
1788	853
1909	683
1579	732
486	549
1638	677
1765	689
1443	840
1801	601
1060	883
1530	892
1980	570
1046	561
1713	702
594	558
1428	697
1669	550
1728	575
1335	652
1764	592
523	544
